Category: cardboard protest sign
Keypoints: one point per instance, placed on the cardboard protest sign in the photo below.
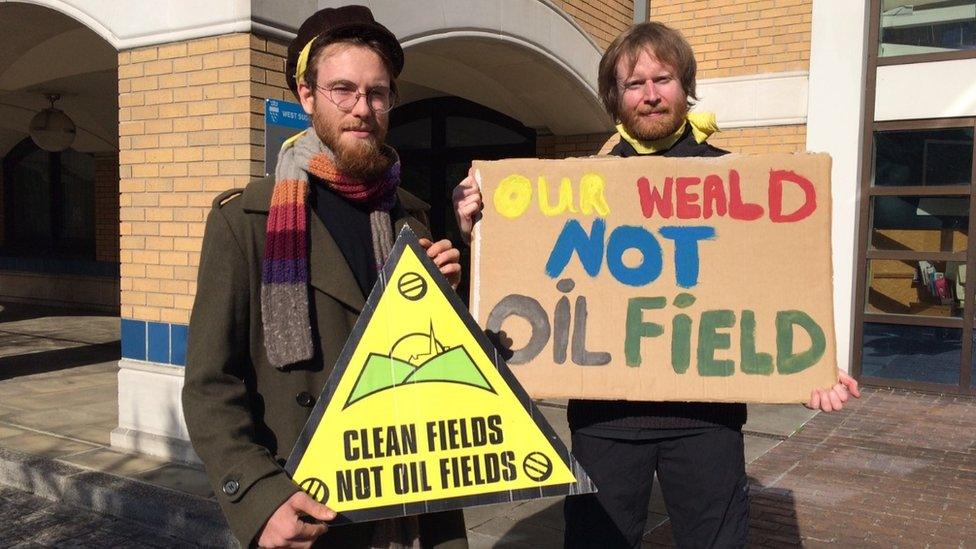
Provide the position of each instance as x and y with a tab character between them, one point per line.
651	278
421	414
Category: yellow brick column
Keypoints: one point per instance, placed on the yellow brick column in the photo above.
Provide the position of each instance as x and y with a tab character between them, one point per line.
191	121
107	207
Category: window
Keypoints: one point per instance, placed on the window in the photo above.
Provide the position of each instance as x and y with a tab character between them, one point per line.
49	203
914	303
914	294
911	27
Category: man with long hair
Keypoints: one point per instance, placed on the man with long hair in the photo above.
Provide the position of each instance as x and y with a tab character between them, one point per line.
647	85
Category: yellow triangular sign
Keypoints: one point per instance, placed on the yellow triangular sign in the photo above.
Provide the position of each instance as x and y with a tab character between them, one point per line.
421	414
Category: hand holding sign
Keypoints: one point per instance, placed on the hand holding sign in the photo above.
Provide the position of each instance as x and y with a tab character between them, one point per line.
446	257
832	399
467	203
285	527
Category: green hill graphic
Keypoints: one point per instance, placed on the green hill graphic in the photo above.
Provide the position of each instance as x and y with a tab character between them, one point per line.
383	372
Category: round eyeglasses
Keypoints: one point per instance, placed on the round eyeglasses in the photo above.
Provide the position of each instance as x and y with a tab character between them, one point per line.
379	100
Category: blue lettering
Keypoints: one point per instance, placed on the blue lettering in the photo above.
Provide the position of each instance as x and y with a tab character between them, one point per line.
589	248
686	259
628	237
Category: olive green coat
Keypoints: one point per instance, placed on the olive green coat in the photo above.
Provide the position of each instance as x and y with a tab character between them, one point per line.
243	414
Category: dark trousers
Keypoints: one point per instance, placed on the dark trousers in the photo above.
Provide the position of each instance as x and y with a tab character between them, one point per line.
703	481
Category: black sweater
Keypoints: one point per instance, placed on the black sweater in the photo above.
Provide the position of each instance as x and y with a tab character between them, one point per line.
631	419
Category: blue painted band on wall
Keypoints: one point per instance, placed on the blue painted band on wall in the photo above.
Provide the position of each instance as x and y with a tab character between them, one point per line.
158	342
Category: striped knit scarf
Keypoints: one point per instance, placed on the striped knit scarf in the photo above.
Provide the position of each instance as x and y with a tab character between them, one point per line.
285	275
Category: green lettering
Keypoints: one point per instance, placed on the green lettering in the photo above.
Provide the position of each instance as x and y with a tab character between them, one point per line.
637	328
752	362
680	343
709	340
786	361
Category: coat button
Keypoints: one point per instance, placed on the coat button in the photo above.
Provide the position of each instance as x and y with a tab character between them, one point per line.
231	487
305	399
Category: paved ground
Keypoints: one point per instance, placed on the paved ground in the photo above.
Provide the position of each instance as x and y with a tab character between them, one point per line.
895	469
27	520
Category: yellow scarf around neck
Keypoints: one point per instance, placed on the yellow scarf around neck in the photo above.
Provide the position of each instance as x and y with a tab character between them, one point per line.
702	126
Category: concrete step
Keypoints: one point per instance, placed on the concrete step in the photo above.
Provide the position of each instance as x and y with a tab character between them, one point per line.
194	519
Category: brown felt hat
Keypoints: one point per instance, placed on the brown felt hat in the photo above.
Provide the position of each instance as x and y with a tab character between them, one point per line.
331	24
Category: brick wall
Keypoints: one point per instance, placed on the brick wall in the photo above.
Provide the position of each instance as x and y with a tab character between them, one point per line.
740	37
603	20
767	139
565	146
191	126
107	207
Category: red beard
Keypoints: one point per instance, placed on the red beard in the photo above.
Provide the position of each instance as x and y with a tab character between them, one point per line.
645	128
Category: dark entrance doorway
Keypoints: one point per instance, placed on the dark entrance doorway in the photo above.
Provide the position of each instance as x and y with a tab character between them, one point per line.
438	138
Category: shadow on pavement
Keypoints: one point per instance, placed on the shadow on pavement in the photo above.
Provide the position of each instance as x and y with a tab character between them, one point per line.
772	522
13	312
58	359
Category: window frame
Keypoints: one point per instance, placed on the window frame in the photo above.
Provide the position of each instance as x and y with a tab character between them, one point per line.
875	44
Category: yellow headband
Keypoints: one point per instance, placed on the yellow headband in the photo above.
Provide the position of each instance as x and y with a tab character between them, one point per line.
302	63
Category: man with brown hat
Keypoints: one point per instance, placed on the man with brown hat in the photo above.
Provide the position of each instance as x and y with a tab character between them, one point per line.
285	268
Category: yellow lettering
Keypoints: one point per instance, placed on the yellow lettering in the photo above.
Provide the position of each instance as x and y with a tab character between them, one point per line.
513	195
591	195
565	197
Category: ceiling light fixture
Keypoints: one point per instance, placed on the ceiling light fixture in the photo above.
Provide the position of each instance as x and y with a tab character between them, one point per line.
51	129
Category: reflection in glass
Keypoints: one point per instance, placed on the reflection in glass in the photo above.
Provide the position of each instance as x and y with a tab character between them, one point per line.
920	223
912	353
923	157
910	27
920	288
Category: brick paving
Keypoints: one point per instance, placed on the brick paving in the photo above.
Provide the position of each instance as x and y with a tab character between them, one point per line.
895	469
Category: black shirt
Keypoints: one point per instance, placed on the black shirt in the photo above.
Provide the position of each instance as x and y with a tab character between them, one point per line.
348	223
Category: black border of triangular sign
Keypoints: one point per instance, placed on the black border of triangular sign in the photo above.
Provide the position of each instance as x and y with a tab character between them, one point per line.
406	239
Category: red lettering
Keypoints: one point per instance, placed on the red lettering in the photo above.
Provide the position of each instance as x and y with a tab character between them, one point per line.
776	179
714	198
651	199
687	207
737	208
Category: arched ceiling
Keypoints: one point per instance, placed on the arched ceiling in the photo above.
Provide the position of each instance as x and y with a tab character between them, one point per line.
525	58
48	52
504	76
